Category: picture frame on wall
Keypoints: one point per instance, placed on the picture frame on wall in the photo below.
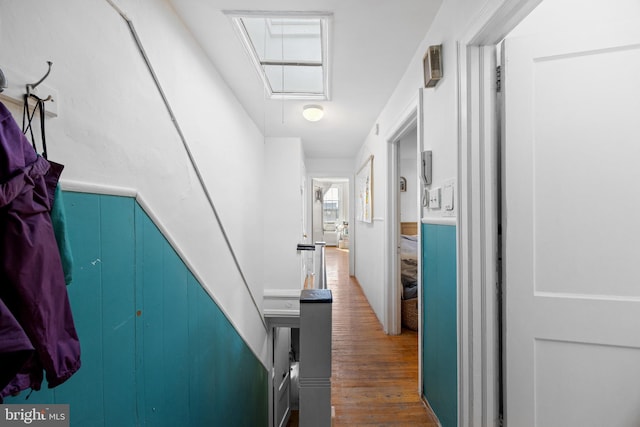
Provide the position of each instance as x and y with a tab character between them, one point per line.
364	191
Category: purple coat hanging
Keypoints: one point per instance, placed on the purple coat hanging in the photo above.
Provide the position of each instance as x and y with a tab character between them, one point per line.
33	294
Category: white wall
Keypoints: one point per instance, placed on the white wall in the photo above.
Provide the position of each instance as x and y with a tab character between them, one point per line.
330	167
282	212
439	133
558	16
113	130
409	170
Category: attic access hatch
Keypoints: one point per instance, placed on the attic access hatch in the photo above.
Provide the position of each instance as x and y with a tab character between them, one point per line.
289	51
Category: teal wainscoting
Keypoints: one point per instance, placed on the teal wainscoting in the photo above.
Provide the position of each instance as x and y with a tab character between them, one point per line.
156	349
440	350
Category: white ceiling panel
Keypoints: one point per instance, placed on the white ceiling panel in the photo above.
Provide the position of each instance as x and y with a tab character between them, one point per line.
370	45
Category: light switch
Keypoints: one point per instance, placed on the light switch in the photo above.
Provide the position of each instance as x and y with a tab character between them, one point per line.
447	197
434	198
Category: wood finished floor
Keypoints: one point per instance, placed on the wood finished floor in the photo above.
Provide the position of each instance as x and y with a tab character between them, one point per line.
374	376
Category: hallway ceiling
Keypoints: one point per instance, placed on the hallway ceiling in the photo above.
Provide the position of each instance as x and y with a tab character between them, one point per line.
371	44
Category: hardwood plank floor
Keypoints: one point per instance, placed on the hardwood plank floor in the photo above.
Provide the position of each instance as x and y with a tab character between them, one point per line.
374	376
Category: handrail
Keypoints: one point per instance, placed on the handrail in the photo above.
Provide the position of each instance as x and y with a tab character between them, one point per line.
190	155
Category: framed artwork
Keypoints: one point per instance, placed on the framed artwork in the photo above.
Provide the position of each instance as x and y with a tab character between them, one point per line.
364	191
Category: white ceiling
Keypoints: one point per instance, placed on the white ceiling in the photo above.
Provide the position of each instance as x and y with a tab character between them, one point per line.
370	46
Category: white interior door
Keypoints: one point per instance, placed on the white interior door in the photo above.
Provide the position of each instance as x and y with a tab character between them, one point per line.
571	188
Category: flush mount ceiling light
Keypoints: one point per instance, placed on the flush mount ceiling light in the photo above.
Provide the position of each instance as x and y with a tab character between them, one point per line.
313	113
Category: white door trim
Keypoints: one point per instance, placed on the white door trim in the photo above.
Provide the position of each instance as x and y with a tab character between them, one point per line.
478	168
392	324
407	120
352	232
479	198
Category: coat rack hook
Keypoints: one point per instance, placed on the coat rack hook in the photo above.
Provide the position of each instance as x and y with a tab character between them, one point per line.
32	86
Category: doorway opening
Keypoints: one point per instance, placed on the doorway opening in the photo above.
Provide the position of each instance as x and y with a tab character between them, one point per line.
330	211
406	279
408	219
403	311
402	185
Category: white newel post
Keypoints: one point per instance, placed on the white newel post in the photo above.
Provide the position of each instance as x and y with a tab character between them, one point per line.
315	357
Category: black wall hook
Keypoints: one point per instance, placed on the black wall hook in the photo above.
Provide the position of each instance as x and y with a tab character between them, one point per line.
32	86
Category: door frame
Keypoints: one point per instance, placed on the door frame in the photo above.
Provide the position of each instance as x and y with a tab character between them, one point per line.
351	214
408	119
480	397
